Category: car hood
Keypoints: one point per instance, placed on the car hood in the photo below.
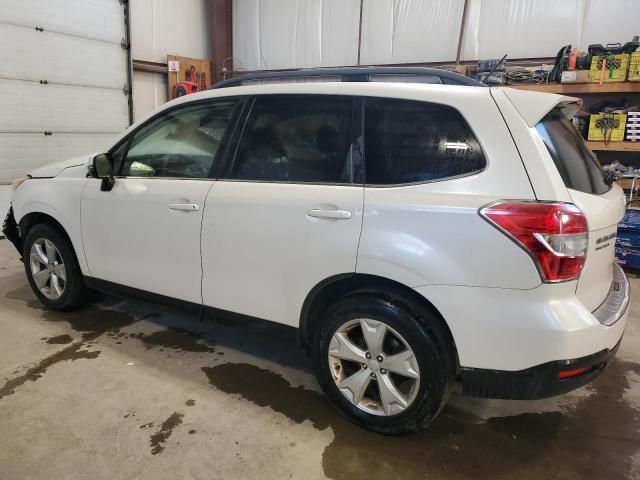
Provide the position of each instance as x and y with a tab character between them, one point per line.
53	169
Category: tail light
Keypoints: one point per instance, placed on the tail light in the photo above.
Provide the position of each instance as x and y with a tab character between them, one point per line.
554	234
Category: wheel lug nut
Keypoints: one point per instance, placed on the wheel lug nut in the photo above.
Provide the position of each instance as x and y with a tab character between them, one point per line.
368	355
379	358
373	375
383	371
364	365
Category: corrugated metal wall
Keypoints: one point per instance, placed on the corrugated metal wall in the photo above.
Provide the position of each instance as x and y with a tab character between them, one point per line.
273	34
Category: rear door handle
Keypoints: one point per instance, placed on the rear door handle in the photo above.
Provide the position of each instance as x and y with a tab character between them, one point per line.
335	214
184	207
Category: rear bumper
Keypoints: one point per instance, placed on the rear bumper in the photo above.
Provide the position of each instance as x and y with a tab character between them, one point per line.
513	344
519	331
537	382
616	303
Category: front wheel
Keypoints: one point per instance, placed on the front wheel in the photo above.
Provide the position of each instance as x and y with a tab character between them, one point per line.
381	365
52	269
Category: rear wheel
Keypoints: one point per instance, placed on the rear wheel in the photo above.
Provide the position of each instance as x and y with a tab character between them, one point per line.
52	268
381	365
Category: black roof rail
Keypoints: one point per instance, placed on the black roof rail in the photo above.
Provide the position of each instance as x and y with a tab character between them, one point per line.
359	74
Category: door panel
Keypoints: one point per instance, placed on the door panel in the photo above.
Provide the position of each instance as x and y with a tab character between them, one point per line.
145	232
263	252
291	215
135	237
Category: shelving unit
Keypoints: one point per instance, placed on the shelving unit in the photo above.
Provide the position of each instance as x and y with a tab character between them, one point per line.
614	146
580	88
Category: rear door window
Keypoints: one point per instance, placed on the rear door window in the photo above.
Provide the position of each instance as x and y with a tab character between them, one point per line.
297	138
578	166
408	141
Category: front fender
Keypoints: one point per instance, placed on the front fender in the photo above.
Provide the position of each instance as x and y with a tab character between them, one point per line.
58	198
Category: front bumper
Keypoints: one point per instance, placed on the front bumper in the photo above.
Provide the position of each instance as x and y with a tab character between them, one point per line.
11	231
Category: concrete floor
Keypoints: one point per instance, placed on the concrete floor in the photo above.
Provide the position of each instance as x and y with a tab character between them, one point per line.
127	389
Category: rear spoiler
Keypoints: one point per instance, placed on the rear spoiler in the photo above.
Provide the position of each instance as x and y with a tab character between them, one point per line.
533	106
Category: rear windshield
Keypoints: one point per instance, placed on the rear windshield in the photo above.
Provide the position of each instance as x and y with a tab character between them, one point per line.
578	166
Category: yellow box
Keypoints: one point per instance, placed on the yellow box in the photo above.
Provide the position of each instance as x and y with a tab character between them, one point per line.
609	125
617	74
634	67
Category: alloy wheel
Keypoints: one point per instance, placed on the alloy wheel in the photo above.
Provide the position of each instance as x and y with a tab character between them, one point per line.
47	268
374	367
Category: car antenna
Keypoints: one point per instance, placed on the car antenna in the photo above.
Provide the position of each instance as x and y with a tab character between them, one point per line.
495	67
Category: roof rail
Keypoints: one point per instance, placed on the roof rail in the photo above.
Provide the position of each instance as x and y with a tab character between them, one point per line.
359	74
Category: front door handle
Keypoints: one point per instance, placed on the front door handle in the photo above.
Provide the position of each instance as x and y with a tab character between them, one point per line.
335	214
184	207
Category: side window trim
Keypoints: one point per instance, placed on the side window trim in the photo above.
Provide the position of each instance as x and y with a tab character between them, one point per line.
236	140
226	145
357	138
238	109
357	142
420	182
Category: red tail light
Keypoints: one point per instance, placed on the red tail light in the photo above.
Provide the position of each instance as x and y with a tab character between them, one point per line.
554	234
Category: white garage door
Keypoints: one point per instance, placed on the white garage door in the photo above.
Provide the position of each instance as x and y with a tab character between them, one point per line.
63	80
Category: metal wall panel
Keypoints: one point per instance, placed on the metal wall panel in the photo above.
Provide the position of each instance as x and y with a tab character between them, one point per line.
29	106
521	29
275	34
21	152
409	31
610	21
30	55
99	19
63	72
295	33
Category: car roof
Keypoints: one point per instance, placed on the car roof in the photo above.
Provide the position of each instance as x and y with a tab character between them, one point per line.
384	89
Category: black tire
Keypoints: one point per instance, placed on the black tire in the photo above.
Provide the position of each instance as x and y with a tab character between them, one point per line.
421	330
75	293
180	91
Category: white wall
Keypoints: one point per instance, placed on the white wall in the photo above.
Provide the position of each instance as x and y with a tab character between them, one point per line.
271	34
160	28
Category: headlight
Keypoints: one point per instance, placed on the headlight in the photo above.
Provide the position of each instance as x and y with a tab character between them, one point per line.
17	182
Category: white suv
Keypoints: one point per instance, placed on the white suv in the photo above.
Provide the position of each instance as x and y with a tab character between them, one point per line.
420	236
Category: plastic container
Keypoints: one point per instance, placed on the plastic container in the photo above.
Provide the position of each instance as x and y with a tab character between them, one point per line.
616	74
631	220
634	67
607	126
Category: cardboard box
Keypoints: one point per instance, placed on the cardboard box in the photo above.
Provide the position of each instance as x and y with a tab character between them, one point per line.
575	76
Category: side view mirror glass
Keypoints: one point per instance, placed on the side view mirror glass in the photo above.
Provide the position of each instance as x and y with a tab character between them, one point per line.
102	166
103	169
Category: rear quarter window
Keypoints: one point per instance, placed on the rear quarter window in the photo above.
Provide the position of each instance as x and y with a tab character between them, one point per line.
578	166
410	141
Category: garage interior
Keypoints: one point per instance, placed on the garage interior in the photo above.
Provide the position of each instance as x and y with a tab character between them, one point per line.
128	388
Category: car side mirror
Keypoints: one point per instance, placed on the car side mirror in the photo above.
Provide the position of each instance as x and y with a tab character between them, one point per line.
103	169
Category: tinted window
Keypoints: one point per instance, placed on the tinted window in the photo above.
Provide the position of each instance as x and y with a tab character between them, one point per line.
578	166
407	141
297	139
183	143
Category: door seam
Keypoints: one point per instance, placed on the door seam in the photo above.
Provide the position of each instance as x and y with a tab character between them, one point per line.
204	207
